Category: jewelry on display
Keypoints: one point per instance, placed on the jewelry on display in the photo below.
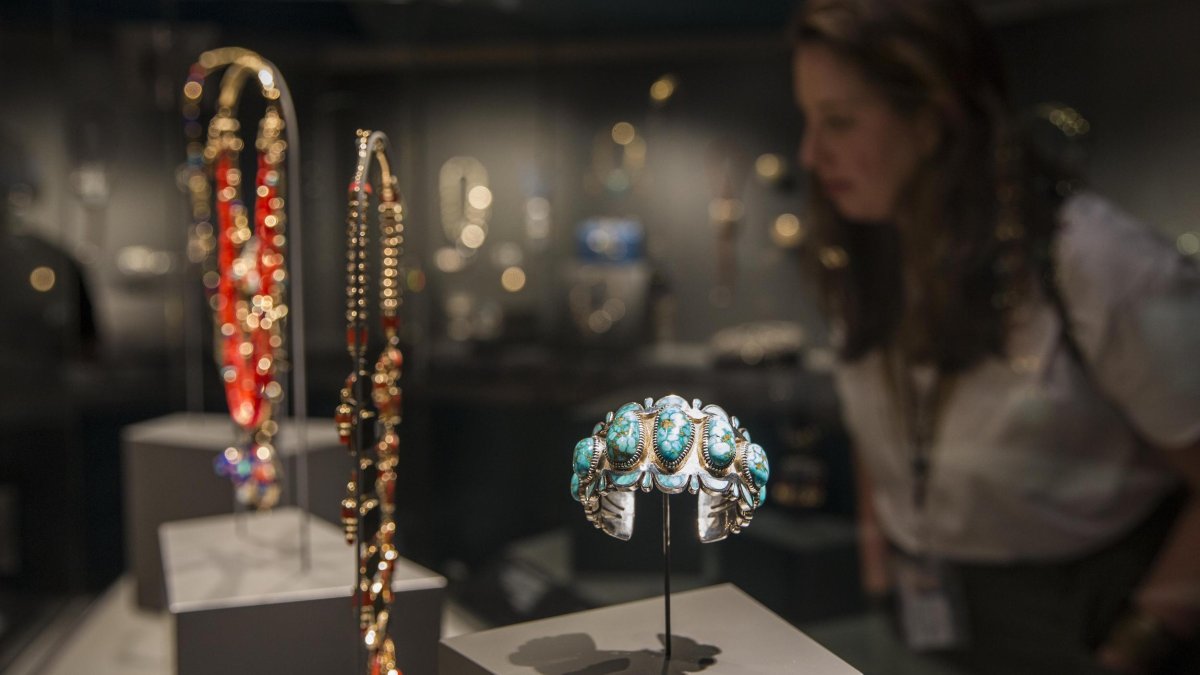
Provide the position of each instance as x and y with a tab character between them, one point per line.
672	446
368	414
243	257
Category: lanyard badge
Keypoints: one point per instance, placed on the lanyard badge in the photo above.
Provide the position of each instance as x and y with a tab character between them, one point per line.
932	611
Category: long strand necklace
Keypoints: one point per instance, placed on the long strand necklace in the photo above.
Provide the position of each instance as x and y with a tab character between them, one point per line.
369	412
243	258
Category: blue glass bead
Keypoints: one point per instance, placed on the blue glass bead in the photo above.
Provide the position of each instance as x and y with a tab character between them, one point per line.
624	438
672	434
582	459
720	442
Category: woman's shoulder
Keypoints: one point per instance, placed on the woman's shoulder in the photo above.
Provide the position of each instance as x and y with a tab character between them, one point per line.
1133	301
1104	254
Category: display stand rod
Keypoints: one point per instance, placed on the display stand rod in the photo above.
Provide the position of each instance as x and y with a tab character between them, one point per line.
295	265
359	443
667	571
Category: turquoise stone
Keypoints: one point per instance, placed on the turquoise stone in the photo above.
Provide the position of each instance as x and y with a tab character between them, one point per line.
671	401
756	464
627	408
626	480
720	442
596	429
575	487
762	495
582	459
672	434
624	437
672	482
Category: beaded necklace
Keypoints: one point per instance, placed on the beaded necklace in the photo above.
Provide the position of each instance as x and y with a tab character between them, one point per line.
367	419
243	259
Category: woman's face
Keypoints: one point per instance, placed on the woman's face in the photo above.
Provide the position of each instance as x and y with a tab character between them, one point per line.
862	152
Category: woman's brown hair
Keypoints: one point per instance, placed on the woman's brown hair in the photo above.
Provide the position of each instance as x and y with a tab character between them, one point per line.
977	215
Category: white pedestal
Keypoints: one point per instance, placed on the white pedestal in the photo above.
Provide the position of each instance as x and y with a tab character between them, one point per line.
718	630
168	475
243	605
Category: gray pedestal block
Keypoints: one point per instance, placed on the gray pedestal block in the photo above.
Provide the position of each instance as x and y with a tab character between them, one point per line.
718	630
168	475
242	603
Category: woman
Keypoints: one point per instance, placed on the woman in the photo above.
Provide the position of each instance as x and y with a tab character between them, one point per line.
1017	362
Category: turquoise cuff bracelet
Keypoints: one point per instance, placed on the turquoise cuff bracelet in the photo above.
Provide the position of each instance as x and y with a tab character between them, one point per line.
673	446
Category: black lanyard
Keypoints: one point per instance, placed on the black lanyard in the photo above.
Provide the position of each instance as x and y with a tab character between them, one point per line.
918	412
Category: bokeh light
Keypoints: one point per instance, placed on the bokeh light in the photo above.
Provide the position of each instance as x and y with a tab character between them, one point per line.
512	279
623	133
42	279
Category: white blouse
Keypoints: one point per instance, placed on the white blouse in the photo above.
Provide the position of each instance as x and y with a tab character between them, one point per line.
1029	462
